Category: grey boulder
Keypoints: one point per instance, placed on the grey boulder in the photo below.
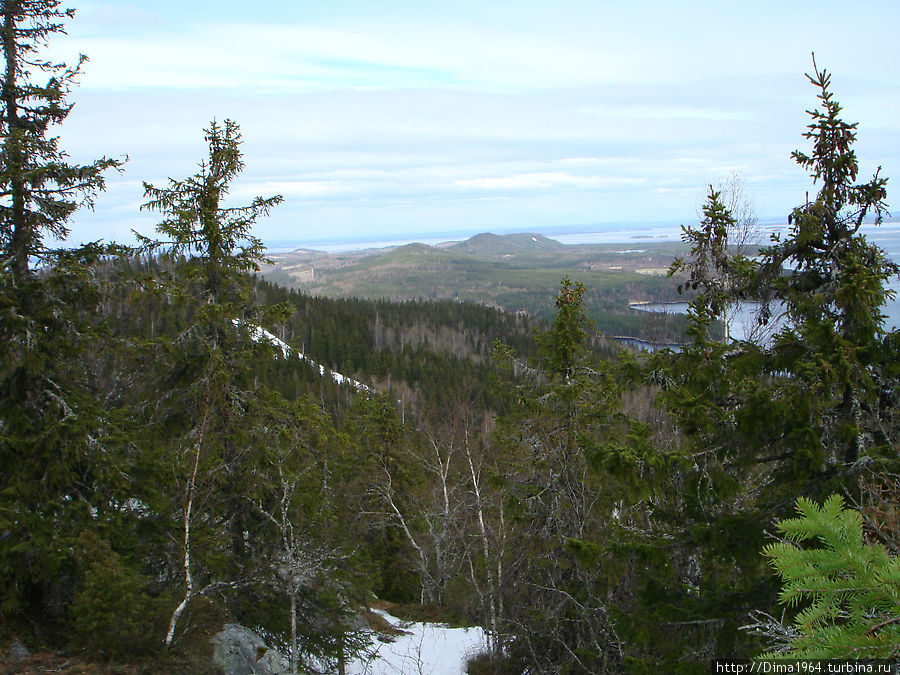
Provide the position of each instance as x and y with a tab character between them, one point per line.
240	651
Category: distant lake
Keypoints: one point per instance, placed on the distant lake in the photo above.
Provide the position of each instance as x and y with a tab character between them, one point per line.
742	318
634	233
743	322
887	236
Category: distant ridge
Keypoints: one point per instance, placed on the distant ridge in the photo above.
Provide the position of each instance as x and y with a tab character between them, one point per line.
488	244
517	272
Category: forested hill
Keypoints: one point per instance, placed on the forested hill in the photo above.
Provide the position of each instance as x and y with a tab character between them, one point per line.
431	354
494	246
428	354
516	272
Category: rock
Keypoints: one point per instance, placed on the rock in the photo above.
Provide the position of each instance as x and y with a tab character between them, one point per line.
18	651
240	651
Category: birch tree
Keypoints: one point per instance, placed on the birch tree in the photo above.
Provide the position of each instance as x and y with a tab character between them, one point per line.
307	555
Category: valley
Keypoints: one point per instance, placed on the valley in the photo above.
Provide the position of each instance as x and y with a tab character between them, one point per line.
513	272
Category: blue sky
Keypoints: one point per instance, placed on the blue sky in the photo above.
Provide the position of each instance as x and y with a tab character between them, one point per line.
382	119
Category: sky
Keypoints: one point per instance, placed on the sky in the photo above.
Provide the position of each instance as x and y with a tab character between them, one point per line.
418	119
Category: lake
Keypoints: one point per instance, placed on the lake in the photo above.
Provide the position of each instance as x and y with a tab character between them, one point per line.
742	322
887	236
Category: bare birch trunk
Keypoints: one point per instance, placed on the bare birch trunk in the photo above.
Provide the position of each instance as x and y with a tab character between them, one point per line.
294	661
423	562
485	544
186	559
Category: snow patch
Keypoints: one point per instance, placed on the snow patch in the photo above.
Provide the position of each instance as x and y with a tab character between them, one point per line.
422	649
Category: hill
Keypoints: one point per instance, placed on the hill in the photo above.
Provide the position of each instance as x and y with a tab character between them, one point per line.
507	245
513	272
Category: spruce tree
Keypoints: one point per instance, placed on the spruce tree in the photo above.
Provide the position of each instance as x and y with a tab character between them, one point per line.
557	497
213	387
807	413
58	460
40	189
710	267
835	287
849	588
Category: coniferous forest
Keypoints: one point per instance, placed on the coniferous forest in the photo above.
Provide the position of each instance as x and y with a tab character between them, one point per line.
176	451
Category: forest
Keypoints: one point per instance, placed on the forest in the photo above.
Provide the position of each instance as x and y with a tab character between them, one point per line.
514	272
166	466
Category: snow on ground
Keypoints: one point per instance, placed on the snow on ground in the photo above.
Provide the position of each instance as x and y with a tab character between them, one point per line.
422	649
259	334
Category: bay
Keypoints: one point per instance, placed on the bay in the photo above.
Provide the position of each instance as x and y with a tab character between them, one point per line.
886	235
742	318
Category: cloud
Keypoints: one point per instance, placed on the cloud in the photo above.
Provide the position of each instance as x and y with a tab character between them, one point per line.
547	180
417	115
667	112
314	57
529	47
103	18
299	189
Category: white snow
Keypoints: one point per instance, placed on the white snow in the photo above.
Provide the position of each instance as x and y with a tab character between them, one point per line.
422	649
260	334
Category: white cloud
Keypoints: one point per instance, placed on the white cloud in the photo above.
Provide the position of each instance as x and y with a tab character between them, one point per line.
667	112
99	18
299	189
311	57
547	180
410	114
